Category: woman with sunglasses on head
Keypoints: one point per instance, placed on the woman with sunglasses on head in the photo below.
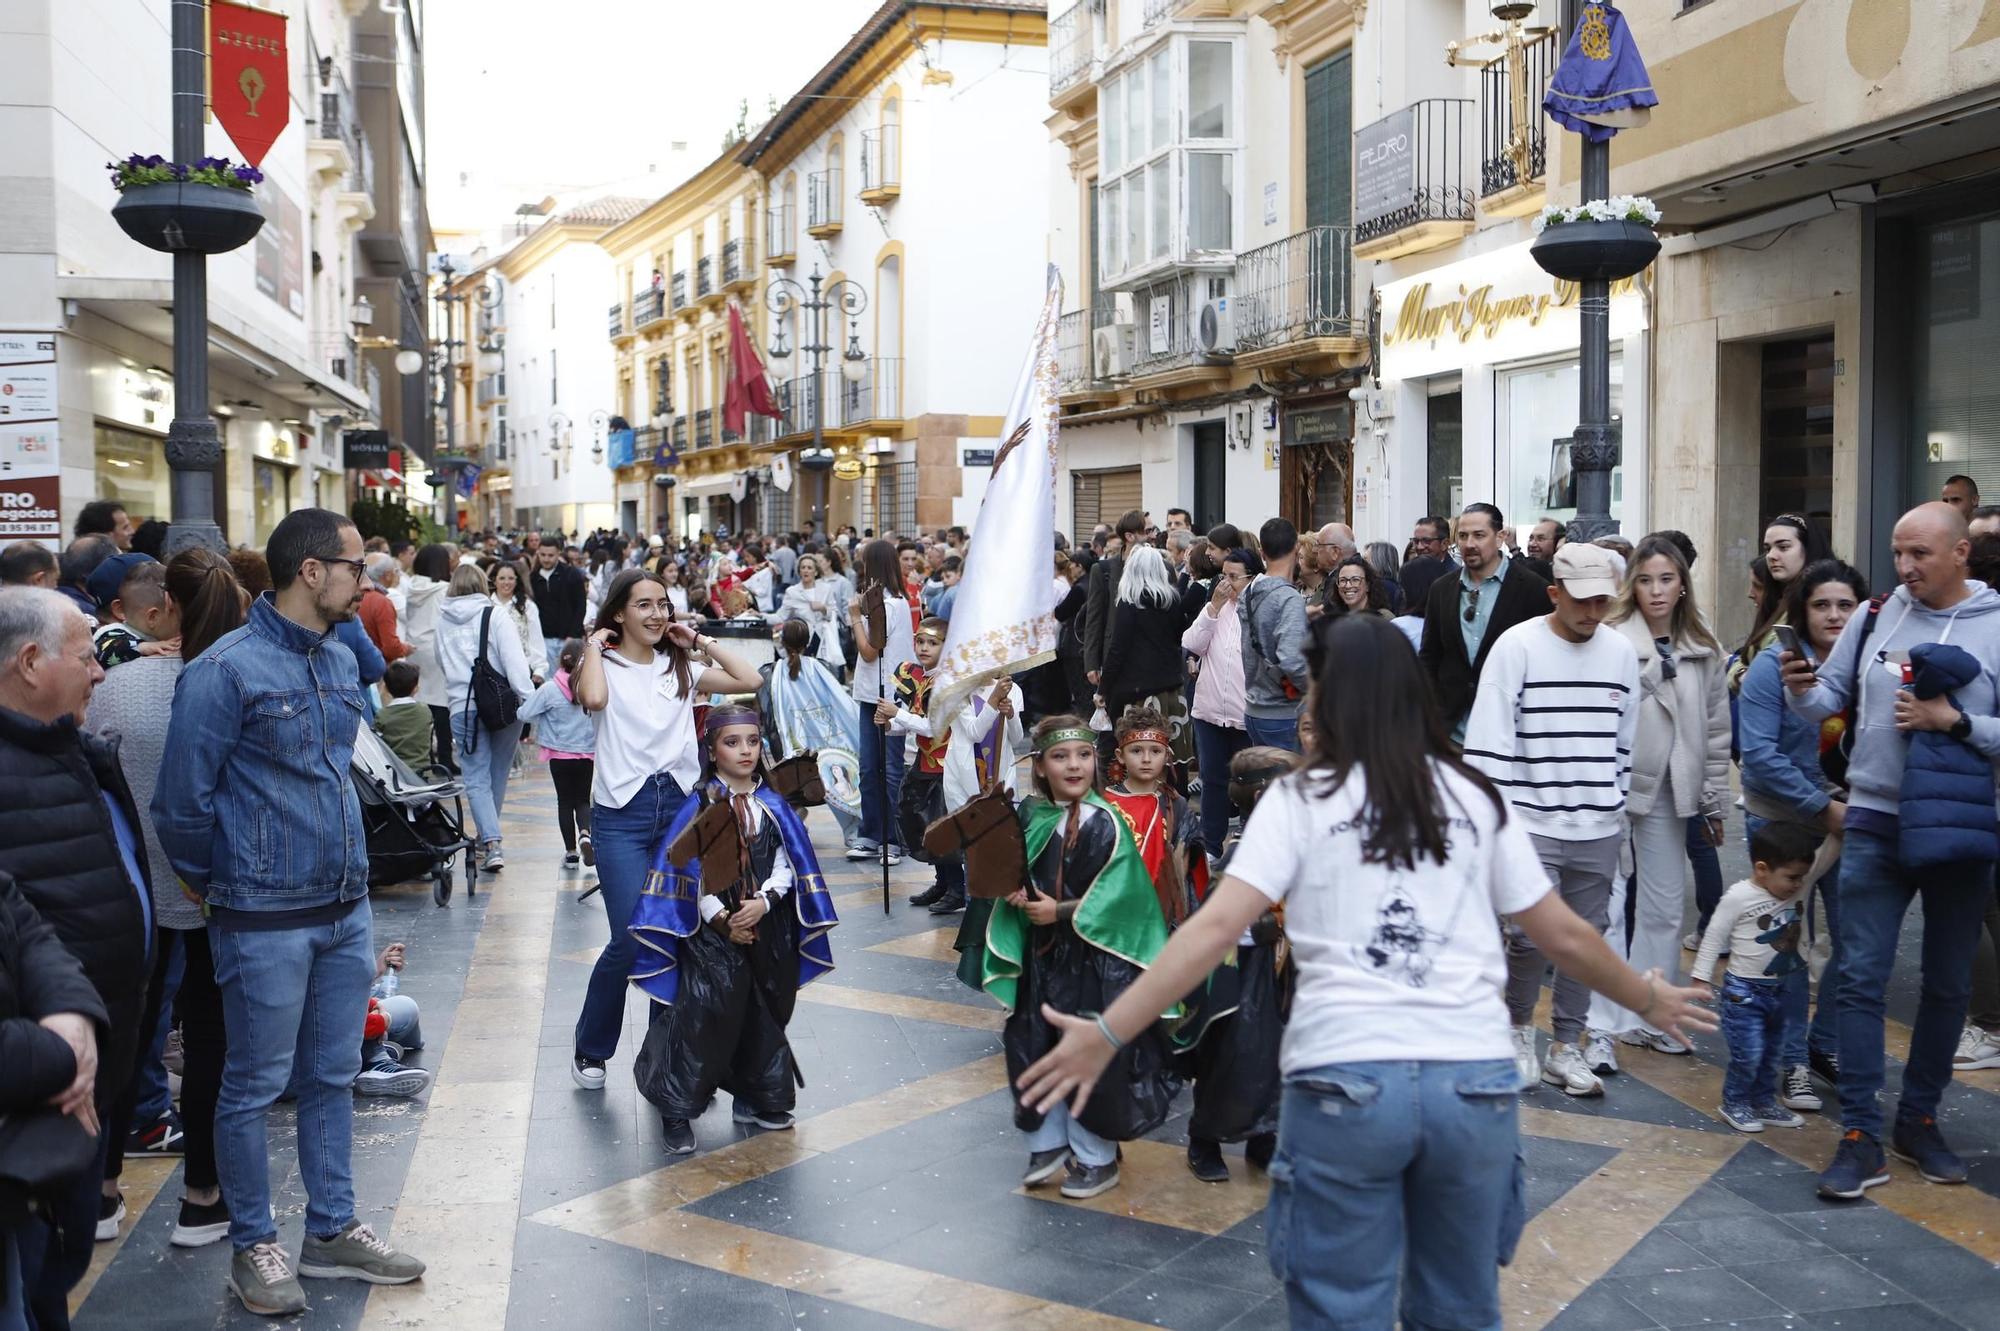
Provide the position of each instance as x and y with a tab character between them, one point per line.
641	677
1680	770
1396	1188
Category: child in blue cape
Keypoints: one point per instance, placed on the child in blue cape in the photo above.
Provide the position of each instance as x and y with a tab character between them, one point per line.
724	969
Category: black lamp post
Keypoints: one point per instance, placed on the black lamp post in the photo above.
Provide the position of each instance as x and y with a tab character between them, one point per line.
785	296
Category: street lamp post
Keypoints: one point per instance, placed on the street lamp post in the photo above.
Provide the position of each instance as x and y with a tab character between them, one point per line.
785	296
194	444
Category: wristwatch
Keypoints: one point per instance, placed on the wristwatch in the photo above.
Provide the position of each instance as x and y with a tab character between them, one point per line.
1961	729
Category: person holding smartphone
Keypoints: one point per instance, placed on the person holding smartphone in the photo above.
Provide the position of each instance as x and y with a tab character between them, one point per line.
640	678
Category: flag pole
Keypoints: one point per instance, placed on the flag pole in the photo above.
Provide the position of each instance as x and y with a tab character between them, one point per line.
882	793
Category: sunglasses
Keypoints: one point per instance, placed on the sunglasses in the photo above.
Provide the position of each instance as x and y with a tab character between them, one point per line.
1669	668
1472	603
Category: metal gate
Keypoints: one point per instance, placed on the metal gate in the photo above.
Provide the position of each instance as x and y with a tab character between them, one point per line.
1103	496
895	500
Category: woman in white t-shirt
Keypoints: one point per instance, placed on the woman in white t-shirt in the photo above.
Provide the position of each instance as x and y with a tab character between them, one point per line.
1398	1140
875	681
640	679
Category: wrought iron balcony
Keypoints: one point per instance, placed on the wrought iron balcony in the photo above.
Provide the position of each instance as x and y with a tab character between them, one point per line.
1410	191
1076	345
1513	132
881	164
677	290
704	428
680	433
732	262
618	325
647	308
780	235
823	202
704	279
797	399
877	397
1296	289
1072	44
1167	321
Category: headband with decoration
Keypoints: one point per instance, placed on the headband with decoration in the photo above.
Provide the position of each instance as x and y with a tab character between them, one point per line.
929	635
1148	736
1067	735
720	718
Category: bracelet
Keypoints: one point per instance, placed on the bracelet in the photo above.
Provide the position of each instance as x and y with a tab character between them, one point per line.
1652	996
1104	1029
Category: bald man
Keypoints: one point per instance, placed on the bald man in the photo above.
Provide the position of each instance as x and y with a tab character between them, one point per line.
1951	831
1336	542
1962	493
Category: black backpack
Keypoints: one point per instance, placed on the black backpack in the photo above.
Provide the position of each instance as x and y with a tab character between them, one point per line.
490	695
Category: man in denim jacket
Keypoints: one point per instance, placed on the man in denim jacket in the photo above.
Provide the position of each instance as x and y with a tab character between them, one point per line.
263	821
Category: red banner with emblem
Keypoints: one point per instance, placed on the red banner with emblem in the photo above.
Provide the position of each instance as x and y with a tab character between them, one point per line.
249	75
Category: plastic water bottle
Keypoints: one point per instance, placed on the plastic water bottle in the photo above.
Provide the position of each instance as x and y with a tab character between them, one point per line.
387	984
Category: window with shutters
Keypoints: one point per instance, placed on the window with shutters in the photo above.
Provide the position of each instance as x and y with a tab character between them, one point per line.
1103	496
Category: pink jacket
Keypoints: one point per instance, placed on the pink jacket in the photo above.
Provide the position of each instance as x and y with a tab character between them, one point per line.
1218	690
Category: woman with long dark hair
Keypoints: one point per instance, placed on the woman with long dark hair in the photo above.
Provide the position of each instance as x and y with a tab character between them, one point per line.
510	593
640	679
1355	588
1791	545
134	703
1395	1191
424	596
880	575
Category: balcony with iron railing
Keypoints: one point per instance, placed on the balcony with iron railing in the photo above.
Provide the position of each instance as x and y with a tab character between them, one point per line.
824	203
705	288
1410	186
875	400
881	164
1297	295
796	399
1513	132
1073	40
756	429
648	308
704	428
1167	325
646	444
618	326
780	235
737	268
680	433
492	388
677	291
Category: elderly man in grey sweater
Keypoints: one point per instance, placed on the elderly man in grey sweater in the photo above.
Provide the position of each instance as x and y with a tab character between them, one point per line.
1934	603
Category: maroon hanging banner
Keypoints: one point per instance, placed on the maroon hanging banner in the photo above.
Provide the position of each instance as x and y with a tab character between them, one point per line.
249	75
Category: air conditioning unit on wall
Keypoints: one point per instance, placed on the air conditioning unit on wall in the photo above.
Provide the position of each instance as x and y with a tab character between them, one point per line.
1216	331
1111	351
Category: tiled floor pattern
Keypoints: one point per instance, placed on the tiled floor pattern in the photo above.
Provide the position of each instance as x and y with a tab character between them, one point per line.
896	1202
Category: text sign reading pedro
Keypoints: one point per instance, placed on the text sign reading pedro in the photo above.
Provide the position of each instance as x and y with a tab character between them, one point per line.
250	80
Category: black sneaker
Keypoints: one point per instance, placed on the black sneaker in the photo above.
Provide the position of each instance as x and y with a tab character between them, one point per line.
1259	1149
1857	1167
680	1136
199	1226
950	905
572	860
587	1072
1205	1160
1825	1065
110	1212
1087	1181
776	1120
163	1136
930	895
1917	1141
1043	1166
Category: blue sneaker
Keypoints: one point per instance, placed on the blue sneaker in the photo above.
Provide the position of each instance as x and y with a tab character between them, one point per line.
1741	1117
1857	1166
864	849
1918	1142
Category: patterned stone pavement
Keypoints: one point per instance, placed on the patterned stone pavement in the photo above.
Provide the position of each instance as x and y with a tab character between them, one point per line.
896	1202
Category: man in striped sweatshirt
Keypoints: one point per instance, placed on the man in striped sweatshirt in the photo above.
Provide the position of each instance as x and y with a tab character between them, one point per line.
1552	725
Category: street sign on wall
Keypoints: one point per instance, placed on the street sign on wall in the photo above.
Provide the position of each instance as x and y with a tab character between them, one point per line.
1385	166
30	488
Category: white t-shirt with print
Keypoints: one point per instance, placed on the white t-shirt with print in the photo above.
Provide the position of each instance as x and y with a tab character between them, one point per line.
1392	963
646	726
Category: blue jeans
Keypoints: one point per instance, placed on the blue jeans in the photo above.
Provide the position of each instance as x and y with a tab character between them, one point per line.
1059	1129
878	746
1756	1018
486	768
1214	746
625	839
154	1095
13	1287
289	993
1822	1031
1279	734
1396	1193
1876	892
1707	866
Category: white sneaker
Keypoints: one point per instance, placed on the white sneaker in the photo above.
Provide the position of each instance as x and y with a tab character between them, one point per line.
1795	1089
493	861
1525	1059
1565	1067
1977	1050
1599	1053
1657	1041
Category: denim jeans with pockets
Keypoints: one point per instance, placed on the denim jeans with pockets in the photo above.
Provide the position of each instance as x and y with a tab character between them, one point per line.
624	838
1756	1018
1396	1194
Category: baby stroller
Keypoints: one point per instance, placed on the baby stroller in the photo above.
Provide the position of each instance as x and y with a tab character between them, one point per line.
413	824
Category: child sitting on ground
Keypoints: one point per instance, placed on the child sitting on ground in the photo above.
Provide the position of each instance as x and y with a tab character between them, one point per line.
405	724
569	745
1759	923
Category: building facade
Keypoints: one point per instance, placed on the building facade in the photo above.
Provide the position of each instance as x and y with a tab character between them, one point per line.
91	309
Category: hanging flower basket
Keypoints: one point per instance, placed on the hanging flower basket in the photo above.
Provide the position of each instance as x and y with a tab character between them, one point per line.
1605	240
204	208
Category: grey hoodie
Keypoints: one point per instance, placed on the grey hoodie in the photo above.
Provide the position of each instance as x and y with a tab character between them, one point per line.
1273	615
1875	772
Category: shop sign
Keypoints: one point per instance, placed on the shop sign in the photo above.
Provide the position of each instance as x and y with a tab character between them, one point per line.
30	459
1498	307
1385	166
848	469
1330	424
364	450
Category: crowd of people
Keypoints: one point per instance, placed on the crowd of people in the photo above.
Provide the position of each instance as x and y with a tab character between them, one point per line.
1511	756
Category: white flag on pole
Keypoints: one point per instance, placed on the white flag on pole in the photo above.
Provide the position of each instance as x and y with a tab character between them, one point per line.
1003	620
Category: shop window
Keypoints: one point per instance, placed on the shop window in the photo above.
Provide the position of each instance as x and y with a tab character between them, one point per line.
1955	396
1444	449
132	469
1538	412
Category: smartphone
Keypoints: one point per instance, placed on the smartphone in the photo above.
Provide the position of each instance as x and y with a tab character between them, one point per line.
1788	638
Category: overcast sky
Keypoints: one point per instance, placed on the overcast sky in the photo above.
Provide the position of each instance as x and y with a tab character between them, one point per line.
528	97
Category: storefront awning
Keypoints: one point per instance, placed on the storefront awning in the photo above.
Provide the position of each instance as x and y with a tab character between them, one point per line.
706	485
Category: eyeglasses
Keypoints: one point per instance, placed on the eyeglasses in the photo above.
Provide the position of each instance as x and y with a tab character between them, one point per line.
360	566
1471	602
1350	583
